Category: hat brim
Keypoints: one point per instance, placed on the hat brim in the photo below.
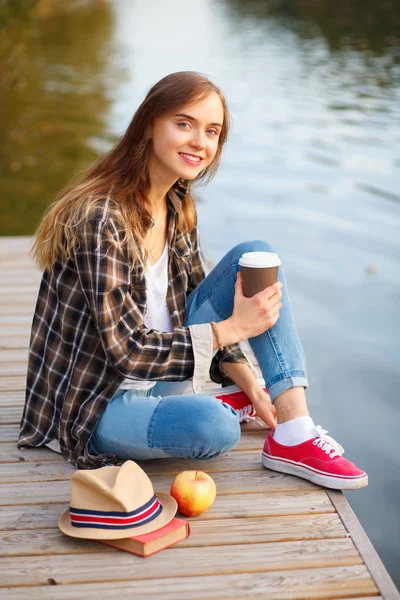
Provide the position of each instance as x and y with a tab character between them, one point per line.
169	508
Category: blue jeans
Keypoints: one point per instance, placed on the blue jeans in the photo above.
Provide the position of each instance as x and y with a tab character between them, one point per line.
168	421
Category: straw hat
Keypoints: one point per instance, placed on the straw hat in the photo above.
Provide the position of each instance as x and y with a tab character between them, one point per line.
113	503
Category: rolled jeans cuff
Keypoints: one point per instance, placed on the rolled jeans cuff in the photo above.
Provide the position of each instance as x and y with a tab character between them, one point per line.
202	342
285	381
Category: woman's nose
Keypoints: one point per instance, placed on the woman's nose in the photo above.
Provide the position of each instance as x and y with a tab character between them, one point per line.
198	141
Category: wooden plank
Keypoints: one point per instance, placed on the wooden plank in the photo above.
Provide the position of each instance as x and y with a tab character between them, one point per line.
231	506
19	330
23	270
33	471
12	383
13	368
15	263
22	280
227	481
203	533
14	355
282	490
10	414
245	461
24	319
10	453
24	302
218	560
18	308
364	545
18	261
10	244
332	582
10	342
13	290
9	433
16	398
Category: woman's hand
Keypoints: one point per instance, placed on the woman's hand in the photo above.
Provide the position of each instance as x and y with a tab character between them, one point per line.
253	316
264	408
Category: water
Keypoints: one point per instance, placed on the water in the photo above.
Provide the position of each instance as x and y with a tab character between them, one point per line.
312	166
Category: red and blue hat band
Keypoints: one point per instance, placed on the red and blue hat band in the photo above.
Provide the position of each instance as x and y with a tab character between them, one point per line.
98	519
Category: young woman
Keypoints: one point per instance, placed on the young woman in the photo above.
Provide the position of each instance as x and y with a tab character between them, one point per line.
127	328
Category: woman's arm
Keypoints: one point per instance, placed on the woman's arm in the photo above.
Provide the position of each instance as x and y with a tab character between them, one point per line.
232	354
243	376
134	351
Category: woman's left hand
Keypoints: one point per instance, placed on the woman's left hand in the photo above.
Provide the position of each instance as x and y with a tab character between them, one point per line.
264	408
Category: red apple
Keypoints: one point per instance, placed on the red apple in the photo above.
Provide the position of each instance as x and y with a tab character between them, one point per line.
194	492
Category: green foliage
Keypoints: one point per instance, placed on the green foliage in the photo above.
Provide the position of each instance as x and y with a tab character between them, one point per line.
53	86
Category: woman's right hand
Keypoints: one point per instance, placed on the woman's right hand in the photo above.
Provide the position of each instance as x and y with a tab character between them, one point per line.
253	316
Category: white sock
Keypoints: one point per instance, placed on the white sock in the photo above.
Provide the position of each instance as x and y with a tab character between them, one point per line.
295	431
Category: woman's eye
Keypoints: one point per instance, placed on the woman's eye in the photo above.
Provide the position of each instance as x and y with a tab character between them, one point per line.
182	125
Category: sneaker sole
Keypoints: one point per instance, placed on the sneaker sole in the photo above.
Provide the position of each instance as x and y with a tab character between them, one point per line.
335	483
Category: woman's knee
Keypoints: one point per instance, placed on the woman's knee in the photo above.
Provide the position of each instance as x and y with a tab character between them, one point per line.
193	426
211	428
218	429
251	246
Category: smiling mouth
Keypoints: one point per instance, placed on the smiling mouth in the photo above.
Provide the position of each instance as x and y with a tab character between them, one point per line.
196	160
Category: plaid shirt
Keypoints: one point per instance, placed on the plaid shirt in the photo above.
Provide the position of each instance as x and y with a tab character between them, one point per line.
88	335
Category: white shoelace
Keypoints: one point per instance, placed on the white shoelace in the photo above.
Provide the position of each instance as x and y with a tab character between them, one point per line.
327	443
246	414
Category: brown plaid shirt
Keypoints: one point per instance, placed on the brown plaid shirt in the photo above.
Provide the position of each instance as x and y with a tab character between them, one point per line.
88	335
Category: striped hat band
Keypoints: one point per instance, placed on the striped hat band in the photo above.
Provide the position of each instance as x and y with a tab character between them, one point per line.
116	520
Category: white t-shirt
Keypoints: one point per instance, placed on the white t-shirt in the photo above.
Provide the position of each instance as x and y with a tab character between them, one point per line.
157	315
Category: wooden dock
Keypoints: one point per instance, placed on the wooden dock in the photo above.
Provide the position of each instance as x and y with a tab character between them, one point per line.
268	535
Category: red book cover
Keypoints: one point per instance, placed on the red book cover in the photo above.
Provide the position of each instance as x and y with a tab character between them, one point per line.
148	543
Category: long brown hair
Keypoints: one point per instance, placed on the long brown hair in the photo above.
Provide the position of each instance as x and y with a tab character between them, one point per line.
123	175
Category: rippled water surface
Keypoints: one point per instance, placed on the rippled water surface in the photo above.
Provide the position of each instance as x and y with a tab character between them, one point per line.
312	166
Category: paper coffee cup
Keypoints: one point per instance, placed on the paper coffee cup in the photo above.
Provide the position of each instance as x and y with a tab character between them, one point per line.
259	271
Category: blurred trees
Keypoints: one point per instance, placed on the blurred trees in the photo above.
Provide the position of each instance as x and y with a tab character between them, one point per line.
54	77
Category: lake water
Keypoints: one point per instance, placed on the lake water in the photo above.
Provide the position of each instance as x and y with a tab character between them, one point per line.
312	166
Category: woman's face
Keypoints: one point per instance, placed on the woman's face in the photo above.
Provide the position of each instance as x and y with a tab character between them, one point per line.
186	141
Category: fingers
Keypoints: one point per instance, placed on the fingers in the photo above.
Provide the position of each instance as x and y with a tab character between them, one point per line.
268	301
266	294
265	410
270	292
274	314
239	285
271	305
270	418
273	290
272	421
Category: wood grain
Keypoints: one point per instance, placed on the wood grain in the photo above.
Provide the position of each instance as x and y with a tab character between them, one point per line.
333	582
243	464
203	533
364	546
36	516
262	557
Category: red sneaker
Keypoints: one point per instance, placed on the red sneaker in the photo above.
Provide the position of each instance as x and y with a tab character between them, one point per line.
319	460
237	399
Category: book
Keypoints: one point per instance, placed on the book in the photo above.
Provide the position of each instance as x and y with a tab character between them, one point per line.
148	543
